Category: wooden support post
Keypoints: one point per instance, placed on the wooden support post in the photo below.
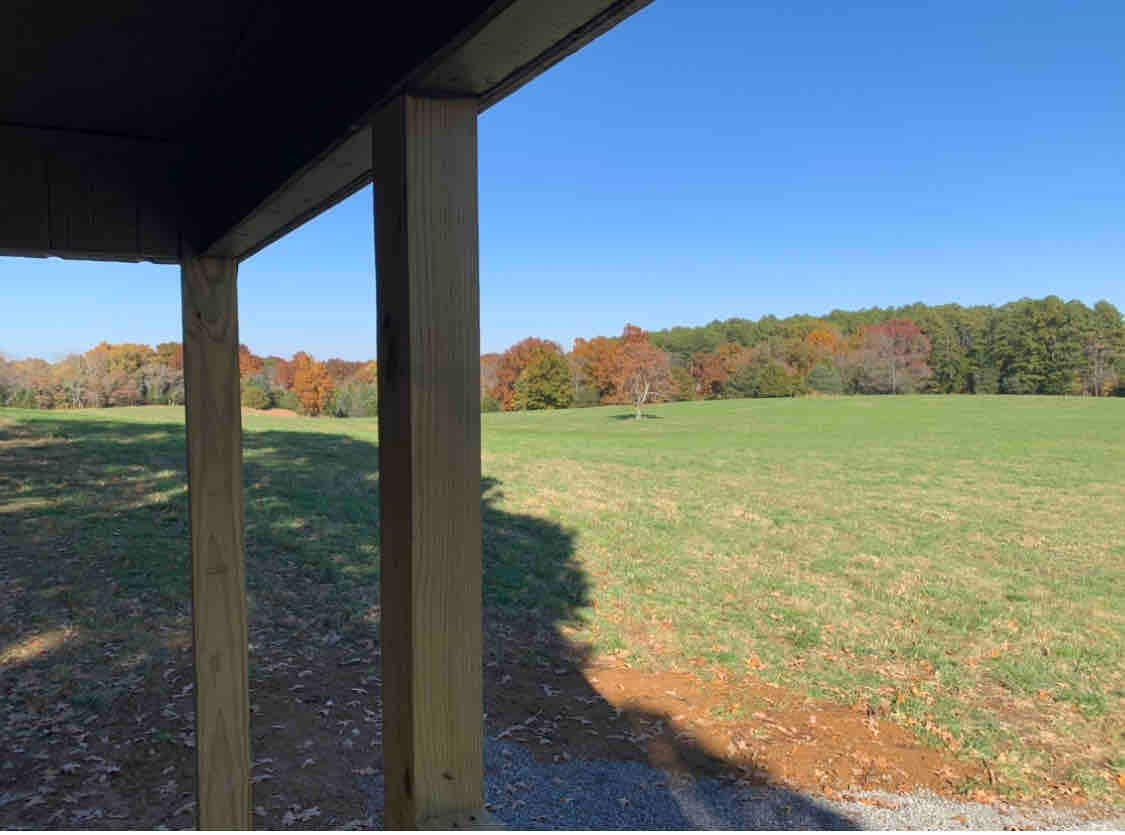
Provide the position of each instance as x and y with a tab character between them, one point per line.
425	159
218	572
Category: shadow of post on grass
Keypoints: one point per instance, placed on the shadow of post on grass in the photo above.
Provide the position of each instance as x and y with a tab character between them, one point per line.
94	585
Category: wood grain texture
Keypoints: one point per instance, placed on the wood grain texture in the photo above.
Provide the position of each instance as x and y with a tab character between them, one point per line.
83	196
25	224
214	451
425	151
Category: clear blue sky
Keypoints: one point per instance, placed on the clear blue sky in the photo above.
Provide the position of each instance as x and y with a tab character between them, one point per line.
711	159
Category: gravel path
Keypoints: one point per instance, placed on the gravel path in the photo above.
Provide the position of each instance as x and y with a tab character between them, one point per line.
526	794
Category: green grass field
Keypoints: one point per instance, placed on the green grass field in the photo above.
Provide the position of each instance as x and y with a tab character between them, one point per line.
956	563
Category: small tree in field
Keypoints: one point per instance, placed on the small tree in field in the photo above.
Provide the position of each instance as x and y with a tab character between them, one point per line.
643	372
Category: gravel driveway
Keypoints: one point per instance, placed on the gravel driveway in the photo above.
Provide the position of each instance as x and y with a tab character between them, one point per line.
527	794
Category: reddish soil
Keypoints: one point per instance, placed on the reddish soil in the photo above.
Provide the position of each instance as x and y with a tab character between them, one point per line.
316	730
746	729
285	413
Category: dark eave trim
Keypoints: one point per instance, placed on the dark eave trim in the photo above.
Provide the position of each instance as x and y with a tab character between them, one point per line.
512	43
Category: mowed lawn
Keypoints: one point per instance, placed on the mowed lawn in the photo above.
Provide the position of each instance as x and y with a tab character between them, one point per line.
956	564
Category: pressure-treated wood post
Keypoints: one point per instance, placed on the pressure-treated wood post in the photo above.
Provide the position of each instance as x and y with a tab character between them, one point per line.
218	573
425	163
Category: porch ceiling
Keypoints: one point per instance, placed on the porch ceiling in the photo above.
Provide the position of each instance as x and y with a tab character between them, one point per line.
221	124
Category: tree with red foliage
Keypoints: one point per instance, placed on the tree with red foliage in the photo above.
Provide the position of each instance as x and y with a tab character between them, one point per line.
595	361
642	372
511	366
713	370
284	371
710	372
900	350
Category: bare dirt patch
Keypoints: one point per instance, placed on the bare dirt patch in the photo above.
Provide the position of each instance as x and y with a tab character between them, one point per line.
561	707
282	413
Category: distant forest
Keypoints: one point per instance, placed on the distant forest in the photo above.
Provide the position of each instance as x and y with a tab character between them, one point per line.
1031	346
129	374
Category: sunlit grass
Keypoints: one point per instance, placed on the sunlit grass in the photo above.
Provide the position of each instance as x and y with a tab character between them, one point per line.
955	563
36	645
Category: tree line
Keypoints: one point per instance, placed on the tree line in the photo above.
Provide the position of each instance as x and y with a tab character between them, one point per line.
1030	346
129	374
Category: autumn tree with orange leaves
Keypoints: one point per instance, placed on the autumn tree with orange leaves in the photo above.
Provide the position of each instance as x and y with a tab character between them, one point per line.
171	354
823	340
713	370
311	383
595	362
642	371
249	363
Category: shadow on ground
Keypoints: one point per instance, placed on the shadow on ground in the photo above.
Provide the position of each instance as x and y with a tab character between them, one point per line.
95	668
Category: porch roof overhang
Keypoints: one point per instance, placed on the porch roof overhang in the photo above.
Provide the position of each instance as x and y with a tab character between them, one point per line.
133	131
